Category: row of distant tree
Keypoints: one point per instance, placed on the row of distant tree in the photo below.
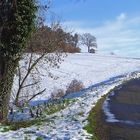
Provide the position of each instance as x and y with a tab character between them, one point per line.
62	40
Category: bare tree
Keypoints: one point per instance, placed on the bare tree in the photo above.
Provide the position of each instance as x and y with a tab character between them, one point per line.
35	65
89	41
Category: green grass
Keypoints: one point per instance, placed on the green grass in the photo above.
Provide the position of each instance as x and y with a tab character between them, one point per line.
39	138
26	138
5	129
92	123
56	107
21	124
49	109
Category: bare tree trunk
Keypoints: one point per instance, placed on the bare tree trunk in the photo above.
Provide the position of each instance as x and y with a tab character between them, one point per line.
88	49
7	71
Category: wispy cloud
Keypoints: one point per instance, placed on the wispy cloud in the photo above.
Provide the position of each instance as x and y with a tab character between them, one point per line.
121	35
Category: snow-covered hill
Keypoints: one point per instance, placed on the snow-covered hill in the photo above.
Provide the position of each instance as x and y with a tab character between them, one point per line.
68	123
90	69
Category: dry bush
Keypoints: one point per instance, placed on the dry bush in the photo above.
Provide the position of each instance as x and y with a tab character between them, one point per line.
57	94
69	48
74	86
72	49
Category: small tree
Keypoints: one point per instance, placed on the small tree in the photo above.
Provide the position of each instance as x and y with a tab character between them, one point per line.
34	65
89	41
44	51
74	86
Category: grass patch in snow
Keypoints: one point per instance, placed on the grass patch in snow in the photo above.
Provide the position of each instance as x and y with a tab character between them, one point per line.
58	106
21	124
50	108
91	127
39	138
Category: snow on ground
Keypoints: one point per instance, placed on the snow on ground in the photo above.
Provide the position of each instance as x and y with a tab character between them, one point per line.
90	69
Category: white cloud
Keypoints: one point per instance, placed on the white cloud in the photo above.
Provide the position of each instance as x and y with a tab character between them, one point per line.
121	35
121	17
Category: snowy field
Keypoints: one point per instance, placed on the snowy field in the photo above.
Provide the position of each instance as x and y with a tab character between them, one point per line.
108	71
90	69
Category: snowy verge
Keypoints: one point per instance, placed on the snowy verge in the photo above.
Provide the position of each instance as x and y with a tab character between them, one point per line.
68	124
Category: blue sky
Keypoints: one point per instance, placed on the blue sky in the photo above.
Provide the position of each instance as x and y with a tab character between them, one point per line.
115	23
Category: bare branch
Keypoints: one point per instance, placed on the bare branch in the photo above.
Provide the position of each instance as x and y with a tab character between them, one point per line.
19	74
37	94
30	85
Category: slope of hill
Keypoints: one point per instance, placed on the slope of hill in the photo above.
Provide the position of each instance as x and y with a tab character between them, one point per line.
90	69
103	73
